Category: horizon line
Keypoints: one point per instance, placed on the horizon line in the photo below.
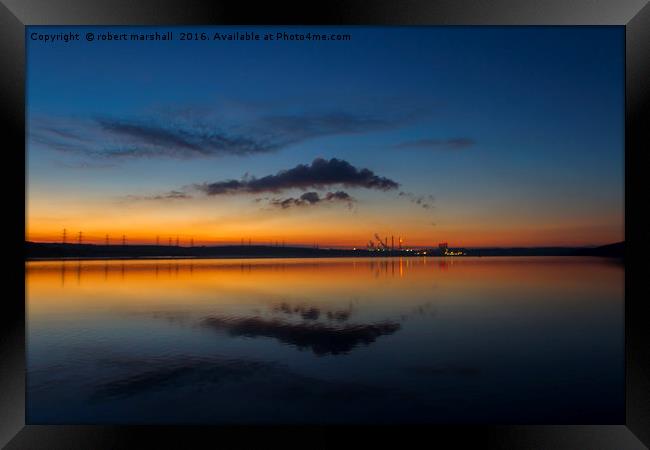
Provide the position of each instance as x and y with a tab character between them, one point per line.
280	244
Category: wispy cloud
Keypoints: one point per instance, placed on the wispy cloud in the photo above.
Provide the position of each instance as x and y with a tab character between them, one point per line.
321	173
425	201
171	195
296	128
108	138
144	139
434	144
184	136
83	165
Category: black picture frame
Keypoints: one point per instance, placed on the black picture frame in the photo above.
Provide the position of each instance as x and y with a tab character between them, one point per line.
634	15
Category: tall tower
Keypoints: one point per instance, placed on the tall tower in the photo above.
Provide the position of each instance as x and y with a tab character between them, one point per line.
106	240
65	236
79	237
124	239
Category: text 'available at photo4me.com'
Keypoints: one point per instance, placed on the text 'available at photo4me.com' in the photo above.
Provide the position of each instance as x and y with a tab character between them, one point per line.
172	35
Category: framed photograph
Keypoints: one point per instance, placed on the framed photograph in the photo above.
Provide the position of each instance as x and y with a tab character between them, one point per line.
247	223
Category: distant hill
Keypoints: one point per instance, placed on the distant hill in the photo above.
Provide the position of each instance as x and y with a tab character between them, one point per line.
36	250
611	250
616	250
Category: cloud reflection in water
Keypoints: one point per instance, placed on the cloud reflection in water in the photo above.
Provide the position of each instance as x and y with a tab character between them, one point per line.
322	339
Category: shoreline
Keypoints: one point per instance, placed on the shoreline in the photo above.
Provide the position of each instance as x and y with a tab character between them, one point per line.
167	258
78	252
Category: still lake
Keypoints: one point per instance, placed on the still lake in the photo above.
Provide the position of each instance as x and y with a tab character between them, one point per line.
368	340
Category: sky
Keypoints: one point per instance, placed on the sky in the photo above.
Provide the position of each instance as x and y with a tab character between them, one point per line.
474	136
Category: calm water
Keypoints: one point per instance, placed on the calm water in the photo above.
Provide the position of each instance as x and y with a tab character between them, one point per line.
529	340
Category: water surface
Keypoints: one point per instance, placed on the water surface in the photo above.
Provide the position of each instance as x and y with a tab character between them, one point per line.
415	340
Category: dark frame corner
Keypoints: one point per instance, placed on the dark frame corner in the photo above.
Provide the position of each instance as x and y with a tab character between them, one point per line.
633	14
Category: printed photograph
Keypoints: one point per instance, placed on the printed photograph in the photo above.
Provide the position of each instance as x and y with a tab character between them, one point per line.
325	225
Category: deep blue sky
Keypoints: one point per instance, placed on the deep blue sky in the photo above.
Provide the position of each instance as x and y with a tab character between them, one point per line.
504	127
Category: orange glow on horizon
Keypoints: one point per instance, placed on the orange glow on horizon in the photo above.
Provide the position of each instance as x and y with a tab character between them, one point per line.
240	221
456	237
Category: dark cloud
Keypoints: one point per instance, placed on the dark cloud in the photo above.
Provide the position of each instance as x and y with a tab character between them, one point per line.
451	144
312	198
321	173
321	338
338	195
85	165
425	201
